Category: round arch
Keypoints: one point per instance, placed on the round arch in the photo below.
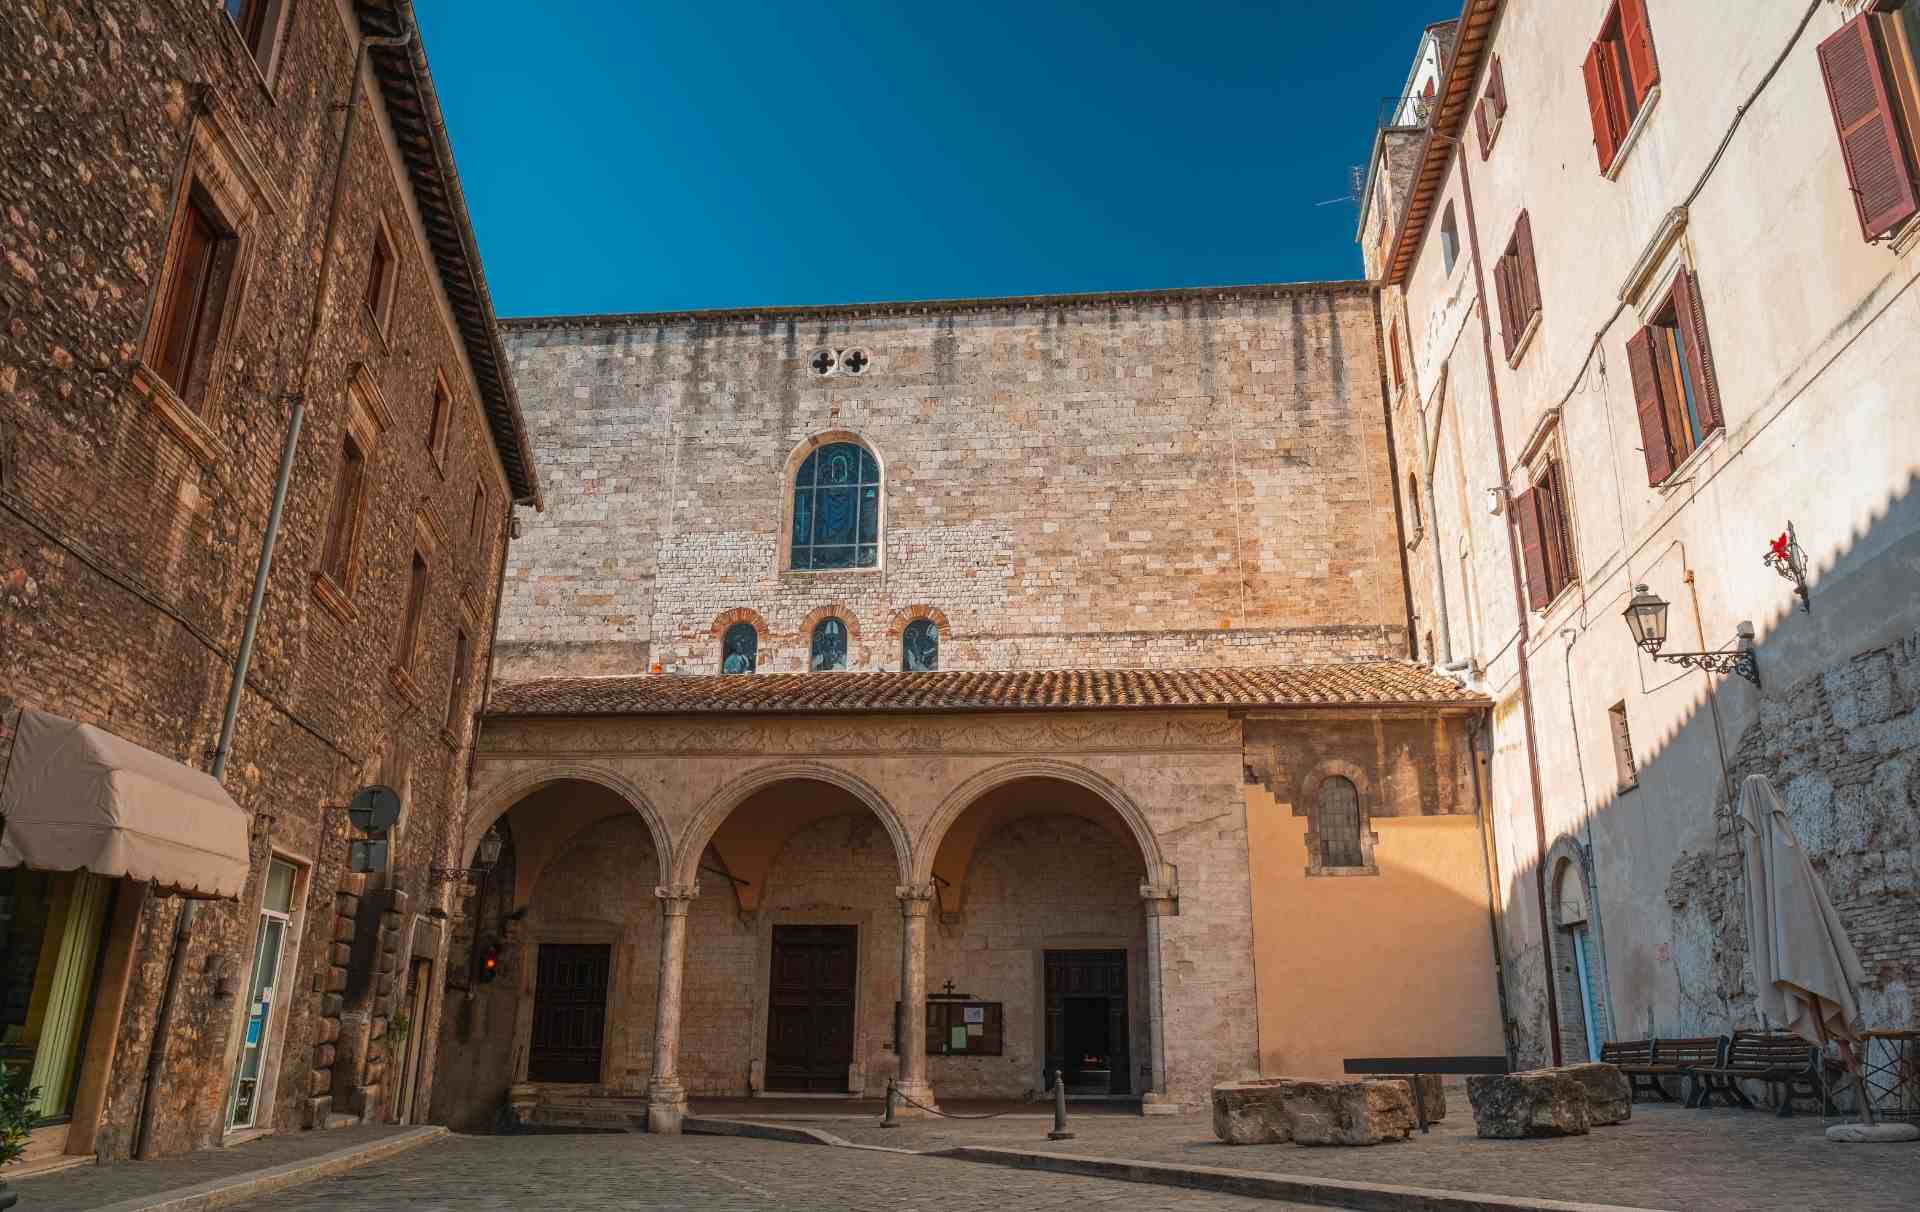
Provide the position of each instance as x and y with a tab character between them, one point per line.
718	806
501	799
783	549
963	797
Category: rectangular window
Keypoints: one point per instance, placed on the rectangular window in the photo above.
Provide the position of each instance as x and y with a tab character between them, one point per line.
1873	89
52	936
343	526
1492	109
379	294
476	524
409	647
458	685
1628	774
1676	394
250	18
1546	541
1393	346
1516	281
1620	72
437	423
184	319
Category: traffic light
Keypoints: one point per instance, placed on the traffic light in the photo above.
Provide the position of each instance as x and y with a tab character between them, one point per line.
489	963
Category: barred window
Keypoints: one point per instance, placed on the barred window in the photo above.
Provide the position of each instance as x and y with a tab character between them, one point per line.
1340	824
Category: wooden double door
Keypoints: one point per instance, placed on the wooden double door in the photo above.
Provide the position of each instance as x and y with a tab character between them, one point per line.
1087	1021
569	1012
810	1008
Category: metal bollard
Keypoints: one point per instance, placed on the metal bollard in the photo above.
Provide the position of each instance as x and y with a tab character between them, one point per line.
887	1121
1059	1109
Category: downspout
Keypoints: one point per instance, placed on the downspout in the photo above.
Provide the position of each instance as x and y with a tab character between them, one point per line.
1429	456
1483	810
1520	604
183	924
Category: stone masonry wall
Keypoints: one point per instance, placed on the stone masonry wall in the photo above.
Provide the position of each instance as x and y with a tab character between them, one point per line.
1193	478
126	555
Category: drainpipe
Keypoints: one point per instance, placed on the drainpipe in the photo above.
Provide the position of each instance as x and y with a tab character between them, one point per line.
1520	603
1429	455
183	924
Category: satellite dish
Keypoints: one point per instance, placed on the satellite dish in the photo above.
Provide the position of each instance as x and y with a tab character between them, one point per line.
374	809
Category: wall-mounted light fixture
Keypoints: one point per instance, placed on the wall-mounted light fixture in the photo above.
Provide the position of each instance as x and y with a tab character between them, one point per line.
1646	617
1785	557
484	857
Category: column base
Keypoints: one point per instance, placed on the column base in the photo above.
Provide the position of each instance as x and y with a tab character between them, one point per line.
1155	1103
919	1092
666	1108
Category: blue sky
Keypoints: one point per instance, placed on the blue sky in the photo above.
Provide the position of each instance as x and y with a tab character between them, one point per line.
661	156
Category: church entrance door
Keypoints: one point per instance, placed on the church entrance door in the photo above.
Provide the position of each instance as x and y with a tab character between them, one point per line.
569	1012
1087	1021
810	1008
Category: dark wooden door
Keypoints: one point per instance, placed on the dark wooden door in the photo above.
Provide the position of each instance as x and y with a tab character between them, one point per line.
1086	987
810	1008
569	1012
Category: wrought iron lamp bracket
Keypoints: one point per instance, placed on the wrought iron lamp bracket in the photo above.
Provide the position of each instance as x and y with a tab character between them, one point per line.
1738	660
440	875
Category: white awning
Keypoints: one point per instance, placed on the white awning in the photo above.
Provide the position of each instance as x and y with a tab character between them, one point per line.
77	797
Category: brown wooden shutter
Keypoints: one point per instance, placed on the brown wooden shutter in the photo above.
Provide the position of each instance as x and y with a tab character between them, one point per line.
1571	567
1497	89
1480	126
185	297
1877	169
1692	320
1533	555
1638	36
1528	275
1646	402
1595	72
1503	289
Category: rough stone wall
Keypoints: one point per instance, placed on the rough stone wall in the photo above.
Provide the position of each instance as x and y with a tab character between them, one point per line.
1192	478
1402	765
126	560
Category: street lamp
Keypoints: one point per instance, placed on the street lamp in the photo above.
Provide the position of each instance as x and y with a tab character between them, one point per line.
1646	616
485	855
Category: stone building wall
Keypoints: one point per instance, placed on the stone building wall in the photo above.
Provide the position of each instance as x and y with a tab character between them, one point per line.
1188	477
127	550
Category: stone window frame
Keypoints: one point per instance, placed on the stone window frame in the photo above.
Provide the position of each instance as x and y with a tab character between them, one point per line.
1569	857
1308	805
225	172
441	408
790	470
426	548
266	58
819	615
726	620
379	314
367	418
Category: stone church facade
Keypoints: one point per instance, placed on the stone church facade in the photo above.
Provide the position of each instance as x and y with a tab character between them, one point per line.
952	693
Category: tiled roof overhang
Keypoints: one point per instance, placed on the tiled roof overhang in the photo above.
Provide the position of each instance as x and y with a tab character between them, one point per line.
1359	684
406	85
1472	35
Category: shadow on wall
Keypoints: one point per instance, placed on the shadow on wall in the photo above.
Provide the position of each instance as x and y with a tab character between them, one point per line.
1646	933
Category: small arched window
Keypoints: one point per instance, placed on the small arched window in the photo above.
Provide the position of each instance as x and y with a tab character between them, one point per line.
1449	240
829	645
836	509
740	649
920	647
1340	824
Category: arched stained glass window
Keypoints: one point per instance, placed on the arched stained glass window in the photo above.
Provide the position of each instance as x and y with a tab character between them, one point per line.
920	647
836	509
740	650
829	645
1340	824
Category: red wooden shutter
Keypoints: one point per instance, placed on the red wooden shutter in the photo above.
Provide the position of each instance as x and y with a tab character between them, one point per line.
1497	89
1595	71
1528	276
184	299
1877	169
1570	567
1503	289
1480	126
1646	402
1692	319
1533	555
1638	36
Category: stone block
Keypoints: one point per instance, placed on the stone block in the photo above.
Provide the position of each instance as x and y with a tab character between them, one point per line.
1534	1103
340	954
331	1005
398	901
323	1056
1428	1088
315	1112
1350	1112
334	980
1609	1093
343	927
319	1082
1251	1112
346	904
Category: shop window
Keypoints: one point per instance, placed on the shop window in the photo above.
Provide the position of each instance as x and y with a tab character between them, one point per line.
52	924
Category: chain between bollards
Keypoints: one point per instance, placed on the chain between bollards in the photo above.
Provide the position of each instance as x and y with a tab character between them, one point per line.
1059	1109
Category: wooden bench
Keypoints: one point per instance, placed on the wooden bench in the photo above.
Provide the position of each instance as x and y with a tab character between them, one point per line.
1773	1057
1646	1062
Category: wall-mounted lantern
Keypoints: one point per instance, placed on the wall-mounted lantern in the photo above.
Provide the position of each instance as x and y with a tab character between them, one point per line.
1785	557
1646	617
485	855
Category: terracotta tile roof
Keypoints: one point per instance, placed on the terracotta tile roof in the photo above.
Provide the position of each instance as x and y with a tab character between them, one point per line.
1360	683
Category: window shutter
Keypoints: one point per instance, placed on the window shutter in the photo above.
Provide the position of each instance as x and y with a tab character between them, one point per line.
1526	513
1480	125
1877	170
1595	72
1693	325
1646	401
1503	288
1561	520
1528	275
1638	36
1497	89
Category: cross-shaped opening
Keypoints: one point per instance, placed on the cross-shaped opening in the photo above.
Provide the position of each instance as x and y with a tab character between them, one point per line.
854	362
822	362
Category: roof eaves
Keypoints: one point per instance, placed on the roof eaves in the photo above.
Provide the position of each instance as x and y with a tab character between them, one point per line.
1443	134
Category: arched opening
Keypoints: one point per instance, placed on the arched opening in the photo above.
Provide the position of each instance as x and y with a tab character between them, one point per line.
1579	970
1041	923
793	945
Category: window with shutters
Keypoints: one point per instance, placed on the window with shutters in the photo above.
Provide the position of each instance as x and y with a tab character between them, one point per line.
1621	72
1393	350
1873	89
191	312
335	580
1516	283
457	685
377	294
1491	110
1626	772
1413	507
1546	539
1676	393
1449	239
407	650
259	24
439	419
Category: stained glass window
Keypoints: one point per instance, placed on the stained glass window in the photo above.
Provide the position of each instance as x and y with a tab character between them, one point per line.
836	509
1340	823
740	649
829	645
920	647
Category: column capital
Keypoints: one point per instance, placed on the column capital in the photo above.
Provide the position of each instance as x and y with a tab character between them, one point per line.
915	899
674	898
1161	899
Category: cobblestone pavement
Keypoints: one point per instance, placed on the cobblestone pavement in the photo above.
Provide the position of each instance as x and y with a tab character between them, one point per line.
1665	1157
711	1174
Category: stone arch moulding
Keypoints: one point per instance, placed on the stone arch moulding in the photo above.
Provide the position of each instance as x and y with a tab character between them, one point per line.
518	786
1160	873
835	611
740	614
1569	857
1307	804
783	546
915	613
718	806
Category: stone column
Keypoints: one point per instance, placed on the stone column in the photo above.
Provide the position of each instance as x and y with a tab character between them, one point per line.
1161	902
666	1097
915	902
